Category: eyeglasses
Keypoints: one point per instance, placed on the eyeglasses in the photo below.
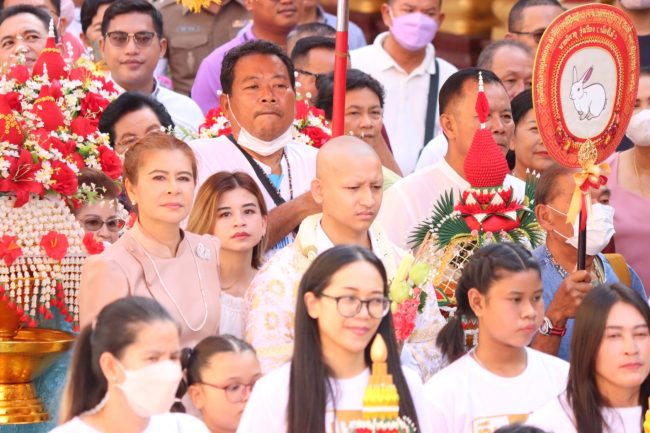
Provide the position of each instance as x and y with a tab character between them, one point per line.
350	306
236	392
120	39
536	35
311	74
93	224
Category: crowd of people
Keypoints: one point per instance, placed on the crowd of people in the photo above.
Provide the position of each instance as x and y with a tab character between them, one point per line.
245	276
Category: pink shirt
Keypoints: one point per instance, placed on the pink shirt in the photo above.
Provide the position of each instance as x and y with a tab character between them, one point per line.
187	285
630	221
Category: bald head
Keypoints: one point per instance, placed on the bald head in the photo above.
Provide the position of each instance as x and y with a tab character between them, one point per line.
348	186
339	152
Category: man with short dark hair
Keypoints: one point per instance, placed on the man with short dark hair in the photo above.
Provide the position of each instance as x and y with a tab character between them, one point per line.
53	7
511	61
404	61
23	33
91	15
529	18
409	201
131	45
312	57
272	21
259	101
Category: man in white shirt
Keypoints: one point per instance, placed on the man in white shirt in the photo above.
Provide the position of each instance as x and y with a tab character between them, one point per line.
410	200
259	100
512	62
403	60
131	46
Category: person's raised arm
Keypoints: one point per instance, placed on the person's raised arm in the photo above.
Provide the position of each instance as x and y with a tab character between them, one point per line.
566	301
286	217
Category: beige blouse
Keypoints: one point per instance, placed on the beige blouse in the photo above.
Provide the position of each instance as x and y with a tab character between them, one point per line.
186	285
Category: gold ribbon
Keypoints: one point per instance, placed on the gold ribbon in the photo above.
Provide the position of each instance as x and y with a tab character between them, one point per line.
590	177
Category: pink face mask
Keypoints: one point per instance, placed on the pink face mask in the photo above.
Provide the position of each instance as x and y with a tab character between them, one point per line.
635	4
413	31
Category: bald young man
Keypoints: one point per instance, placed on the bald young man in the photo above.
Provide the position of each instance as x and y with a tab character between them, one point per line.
348	186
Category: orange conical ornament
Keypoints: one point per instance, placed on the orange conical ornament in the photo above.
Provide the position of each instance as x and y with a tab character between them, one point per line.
50	63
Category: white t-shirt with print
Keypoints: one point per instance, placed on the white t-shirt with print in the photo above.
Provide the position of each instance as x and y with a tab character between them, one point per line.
466	398
266	410
557	417
163	423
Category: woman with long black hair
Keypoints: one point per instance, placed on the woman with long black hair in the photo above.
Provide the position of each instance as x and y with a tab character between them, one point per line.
608	385
342	305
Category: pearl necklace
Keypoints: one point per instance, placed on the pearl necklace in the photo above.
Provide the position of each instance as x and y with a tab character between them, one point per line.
164	286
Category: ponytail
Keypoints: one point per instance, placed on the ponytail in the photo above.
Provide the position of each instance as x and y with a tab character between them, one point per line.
193	361
485	267
115	328
85	387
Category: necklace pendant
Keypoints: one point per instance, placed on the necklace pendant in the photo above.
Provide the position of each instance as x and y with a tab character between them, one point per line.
203	252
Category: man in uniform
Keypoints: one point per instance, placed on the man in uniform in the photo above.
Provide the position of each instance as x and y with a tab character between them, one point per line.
192	36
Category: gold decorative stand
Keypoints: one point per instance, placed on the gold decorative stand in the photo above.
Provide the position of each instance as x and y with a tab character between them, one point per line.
24	354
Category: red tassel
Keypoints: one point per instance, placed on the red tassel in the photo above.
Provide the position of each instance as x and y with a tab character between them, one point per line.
482	107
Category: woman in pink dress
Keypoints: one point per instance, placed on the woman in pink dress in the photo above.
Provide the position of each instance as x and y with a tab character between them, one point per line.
629	183
156	258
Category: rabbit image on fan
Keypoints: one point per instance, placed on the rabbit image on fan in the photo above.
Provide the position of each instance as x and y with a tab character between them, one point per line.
590	100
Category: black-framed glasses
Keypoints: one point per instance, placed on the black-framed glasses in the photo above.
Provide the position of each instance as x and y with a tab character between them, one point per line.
93	224
536	35
350	306
119	39
235	392
311	74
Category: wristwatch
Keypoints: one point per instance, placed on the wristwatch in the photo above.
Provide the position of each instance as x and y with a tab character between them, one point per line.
547	328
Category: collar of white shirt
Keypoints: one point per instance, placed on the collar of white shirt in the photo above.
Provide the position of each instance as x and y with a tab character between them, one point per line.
385	61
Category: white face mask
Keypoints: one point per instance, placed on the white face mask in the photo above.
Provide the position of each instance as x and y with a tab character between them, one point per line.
257	145
151	390
638	129
600	228
635	4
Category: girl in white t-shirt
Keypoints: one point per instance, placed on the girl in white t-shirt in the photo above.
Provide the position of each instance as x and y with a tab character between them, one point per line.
124	373
342	304
220	374
500	381
608	386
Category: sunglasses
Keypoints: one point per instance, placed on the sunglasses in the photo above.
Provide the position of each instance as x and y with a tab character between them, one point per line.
121	39
311	74
93	224
536	35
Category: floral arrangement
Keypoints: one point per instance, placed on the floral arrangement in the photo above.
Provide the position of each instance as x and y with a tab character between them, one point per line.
48	132
309	126
215	125
407	295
